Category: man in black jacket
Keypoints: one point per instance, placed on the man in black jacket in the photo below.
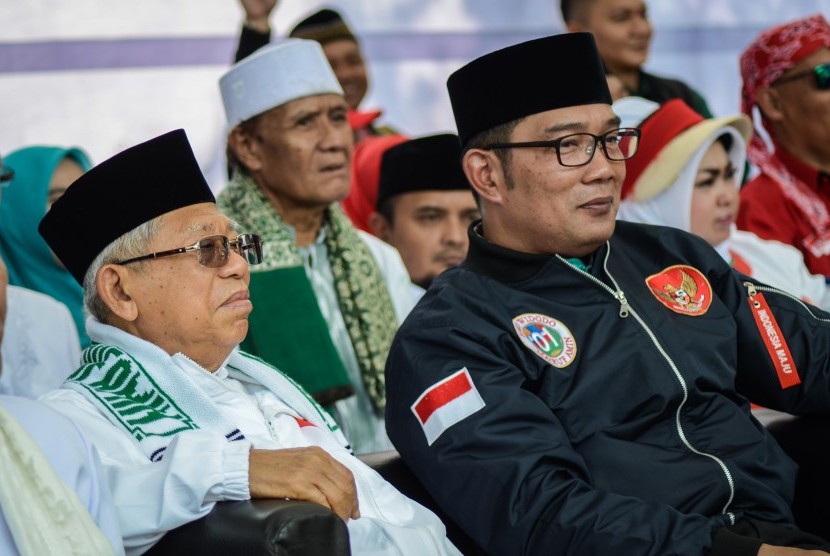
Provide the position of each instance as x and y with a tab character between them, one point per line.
580	385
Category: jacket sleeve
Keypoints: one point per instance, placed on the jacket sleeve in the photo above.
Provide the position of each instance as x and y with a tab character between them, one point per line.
783	347
198	469
504	469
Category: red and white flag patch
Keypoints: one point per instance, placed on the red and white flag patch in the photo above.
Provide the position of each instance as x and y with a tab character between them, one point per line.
445	403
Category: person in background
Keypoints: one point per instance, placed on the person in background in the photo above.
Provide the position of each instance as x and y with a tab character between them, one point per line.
342	50
52	490
623	33
786	77
54	496
5	177
425	206
321	279
686	175
362	200
41	175
38	340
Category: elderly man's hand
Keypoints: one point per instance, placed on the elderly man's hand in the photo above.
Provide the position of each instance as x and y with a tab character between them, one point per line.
769	550
304	474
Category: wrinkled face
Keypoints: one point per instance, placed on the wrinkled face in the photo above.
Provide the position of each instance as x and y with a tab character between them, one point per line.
715	198
347	62
622	31
429	229
303	152
183	306
805	109
66	172
551	208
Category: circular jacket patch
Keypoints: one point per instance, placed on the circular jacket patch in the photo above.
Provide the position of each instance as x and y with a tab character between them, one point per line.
546	337
683	289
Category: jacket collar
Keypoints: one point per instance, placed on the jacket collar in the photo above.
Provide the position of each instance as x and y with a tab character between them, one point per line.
500	263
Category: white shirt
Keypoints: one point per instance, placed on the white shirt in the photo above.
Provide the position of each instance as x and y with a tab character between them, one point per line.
364	428
200	468
74	461
40	345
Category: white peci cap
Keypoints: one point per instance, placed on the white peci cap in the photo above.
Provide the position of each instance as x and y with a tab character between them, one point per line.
273	75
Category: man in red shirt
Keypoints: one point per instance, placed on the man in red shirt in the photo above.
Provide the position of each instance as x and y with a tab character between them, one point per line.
786	74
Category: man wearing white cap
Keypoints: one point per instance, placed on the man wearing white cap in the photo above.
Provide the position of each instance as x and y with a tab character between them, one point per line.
329	298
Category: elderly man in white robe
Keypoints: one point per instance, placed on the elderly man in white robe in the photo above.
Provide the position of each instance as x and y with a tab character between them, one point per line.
181	418
333	295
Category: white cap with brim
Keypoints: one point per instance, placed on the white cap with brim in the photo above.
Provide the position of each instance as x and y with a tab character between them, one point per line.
274	75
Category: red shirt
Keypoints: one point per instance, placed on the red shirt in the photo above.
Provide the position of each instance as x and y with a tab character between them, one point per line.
769	214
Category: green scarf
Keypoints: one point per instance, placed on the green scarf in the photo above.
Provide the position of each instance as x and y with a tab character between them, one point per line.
289	318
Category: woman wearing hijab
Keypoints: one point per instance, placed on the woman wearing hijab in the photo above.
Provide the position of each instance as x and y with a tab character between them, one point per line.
40	176
686	175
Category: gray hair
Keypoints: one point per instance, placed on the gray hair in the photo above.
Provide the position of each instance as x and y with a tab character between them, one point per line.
134	243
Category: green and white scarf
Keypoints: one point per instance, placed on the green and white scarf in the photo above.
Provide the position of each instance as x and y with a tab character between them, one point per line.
142	390
362	294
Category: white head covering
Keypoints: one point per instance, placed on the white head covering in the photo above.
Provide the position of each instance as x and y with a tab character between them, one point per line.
673	206
633	110
672	203
276	74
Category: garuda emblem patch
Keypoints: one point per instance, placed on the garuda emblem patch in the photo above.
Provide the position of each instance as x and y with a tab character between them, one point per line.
683	289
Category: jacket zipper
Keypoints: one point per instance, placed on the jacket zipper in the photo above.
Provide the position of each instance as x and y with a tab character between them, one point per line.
625	310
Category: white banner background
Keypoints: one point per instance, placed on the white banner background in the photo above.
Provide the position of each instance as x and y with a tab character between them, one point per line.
106	74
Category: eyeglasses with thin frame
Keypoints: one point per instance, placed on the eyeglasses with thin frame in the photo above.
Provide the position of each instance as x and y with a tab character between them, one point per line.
821	73
214	251
578	149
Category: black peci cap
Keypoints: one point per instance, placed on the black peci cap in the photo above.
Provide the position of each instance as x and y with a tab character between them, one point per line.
426	163
120	194
524	79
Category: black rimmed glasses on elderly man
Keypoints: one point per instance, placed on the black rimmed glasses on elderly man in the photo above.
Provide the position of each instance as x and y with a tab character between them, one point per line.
214	251
578	149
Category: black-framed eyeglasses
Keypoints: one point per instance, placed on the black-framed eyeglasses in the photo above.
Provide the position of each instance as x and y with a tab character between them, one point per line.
821	73
214	251
578	149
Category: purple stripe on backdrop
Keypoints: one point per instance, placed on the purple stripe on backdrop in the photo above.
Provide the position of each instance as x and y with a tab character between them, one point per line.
206	51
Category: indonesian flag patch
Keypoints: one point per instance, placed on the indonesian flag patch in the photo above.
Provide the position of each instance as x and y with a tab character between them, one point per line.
683	289
445	403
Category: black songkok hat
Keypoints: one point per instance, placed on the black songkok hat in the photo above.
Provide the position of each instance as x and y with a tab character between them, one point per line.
323	26
120	194
524	79
427	163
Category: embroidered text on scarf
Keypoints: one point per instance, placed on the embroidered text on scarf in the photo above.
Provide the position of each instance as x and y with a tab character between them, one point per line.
141	390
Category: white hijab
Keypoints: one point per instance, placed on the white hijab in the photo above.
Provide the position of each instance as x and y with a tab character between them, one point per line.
673	206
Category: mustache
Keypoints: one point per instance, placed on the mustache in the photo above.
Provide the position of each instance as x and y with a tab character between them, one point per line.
449	252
